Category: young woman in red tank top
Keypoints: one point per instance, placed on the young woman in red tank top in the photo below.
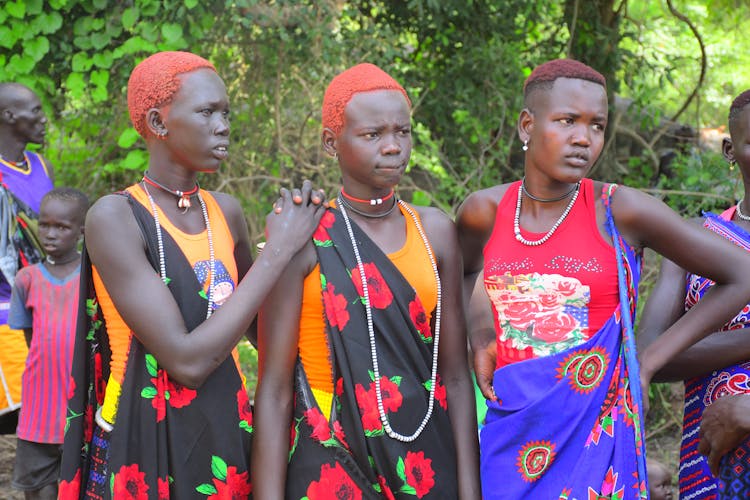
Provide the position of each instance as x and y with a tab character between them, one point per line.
546	250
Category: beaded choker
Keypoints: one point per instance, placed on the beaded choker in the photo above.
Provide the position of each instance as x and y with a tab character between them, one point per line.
372	201
545	200
18	164
53	262
378	215
183	197
517	218
739	211
371	329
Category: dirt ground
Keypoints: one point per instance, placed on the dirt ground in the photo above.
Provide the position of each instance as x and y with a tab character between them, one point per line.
7	455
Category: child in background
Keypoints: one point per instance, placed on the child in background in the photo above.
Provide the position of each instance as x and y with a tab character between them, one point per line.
44	304
659	480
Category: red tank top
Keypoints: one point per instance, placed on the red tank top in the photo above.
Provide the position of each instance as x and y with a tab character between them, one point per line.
549	298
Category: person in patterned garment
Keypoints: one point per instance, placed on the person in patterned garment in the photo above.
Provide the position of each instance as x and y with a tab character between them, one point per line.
553	343
370	374
44	303
718	365
25	177
159	408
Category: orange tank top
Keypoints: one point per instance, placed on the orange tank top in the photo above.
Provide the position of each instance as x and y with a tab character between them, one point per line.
195	249
413	262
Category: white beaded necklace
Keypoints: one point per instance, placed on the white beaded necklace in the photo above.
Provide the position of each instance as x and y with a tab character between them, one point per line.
739	211
371	330
160	244
517	218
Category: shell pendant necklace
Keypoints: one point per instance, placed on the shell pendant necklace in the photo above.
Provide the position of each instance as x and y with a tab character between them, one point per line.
371	329
160	244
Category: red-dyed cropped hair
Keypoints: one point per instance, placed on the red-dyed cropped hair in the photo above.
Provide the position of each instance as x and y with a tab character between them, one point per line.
545	74
363	77
154	83
738	104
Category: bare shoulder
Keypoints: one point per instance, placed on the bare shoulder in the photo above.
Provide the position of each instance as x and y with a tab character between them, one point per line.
110	223
477	212
233	213
228	203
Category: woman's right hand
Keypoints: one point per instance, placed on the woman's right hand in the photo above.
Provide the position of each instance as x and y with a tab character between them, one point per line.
295	216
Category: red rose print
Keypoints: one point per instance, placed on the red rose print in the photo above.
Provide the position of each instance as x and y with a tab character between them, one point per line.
340	387
236	486
385	489
319	424
368	407
338	431
392	397
549	301
244	410
440	393
335	306
130	483
554	327
419	317
167	390
326	222
521	313
179	395
567	287
380	295
334	484
419	473
159	402
162	485
70	490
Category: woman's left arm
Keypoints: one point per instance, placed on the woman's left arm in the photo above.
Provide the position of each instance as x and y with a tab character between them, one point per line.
453	357
242	254
645	221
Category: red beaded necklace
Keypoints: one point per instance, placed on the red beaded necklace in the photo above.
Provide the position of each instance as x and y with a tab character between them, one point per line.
373	201
183	197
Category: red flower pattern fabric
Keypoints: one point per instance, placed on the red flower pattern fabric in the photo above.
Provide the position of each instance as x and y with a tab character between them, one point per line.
349	447
69	490
419	317
380	295
334	484
419	473
335	306
130	483
167	420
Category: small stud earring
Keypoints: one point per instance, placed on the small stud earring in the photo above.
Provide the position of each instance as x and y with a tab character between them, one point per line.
525	145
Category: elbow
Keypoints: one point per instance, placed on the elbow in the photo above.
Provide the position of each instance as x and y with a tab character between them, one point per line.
191	373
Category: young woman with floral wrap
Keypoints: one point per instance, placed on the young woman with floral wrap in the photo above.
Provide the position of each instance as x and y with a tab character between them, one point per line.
369	374
719	365
560	257
159	407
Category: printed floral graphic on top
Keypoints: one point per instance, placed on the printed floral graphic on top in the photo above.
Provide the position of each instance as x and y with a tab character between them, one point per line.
547	312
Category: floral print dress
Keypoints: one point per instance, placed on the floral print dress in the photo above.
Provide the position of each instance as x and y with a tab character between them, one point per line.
348	454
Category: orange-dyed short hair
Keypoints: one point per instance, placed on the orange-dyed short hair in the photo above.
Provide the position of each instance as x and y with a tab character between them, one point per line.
154	82
545	74
363	77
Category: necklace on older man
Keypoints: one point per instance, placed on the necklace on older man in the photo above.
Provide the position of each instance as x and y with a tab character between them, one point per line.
183	197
